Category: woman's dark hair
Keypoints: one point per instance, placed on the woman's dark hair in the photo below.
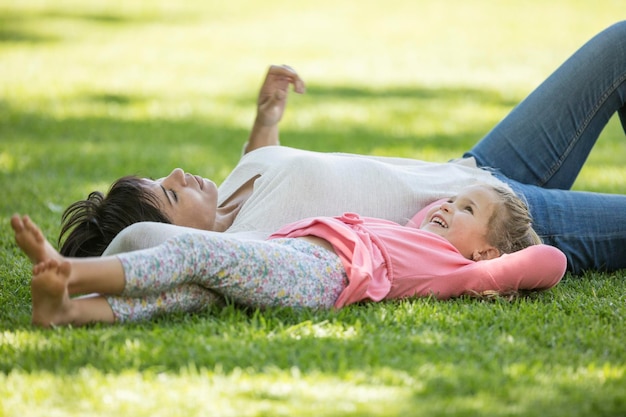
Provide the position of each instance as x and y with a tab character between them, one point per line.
88	226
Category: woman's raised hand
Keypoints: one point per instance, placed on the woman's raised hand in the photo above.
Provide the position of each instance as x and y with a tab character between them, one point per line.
271	106
273	95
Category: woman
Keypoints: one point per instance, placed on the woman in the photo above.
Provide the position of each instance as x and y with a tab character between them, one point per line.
537	150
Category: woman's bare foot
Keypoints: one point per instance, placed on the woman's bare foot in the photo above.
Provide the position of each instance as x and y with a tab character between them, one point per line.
32	241
50	297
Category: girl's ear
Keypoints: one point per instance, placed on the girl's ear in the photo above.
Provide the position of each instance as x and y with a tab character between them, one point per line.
489	252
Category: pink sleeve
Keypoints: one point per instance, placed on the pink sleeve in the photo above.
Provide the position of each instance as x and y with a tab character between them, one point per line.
537	267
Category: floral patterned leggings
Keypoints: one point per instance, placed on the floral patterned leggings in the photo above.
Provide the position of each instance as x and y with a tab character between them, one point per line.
191	271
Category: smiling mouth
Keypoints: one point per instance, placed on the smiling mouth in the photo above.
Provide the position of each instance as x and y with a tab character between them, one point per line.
199	180
438	220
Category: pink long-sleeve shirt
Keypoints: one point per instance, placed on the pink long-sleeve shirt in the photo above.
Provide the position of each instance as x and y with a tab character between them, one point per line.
385	260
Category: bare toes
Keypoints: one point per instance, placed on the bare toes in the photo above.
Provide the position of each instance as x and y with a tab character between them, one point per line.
33	228
49	292
16	223
32	241
45	266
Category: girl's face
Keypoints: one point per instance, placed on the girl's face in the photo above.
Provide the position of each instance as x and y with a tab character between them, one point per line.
463	221
187	200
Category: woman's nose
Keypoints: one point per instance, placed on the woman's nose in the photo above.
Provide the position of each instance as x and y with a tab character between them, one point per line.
177	176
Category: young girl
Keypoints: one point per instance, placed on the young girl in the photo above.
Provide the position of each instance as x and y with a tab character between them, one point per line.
479	241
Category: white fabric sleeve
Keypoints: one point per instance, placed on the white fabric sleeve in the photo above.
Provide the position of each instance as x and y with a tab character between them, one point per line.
149	234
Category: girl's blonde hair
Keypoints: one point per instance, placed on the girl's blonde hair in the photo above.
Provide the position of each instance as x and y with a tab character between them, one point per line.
509	230
510	226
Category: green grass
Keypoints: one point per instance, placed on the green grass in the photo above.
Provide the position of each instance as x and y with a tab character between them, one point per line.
90	91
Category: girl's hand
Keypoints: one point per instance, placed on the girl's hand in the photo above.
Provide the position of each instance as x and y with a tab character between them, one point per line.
273	95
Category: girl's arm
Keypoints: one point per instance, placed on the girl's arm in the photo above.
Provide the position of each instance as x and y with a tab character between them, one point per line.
537	267
271	106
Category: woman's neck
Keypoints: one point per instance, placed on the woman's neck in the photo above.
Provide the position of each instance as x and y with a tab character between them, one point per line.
227	212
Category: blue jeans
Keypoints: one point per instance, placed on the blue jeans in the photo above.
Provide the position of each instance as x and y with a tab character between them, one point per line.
541	146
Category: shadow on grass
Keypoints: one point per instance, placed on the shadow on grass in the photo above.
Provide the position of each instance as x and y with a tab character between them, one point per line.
481	96
30	26
113	137
14	28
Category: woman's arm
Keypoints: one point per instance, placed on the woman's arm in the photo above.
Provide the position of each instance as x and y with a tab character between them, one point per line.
271	105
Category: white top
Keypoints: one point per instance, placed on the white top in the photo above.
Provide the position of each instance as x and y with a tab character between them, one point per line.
295	184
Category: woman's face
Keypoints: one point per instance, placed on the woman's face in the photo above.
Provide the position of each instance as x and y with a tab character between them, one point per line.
187	200
463	220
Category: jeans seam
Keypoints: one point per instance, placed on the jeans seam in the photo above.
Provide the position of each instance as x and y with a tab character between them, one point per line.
612	88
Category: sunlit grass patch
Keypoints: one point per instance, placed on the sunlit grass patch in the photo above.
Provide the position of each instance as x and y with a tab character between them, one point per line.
198	392
606	179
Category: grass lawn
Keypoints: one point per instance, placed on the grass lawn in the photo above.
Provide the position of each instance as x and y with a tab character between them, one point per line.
90	91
